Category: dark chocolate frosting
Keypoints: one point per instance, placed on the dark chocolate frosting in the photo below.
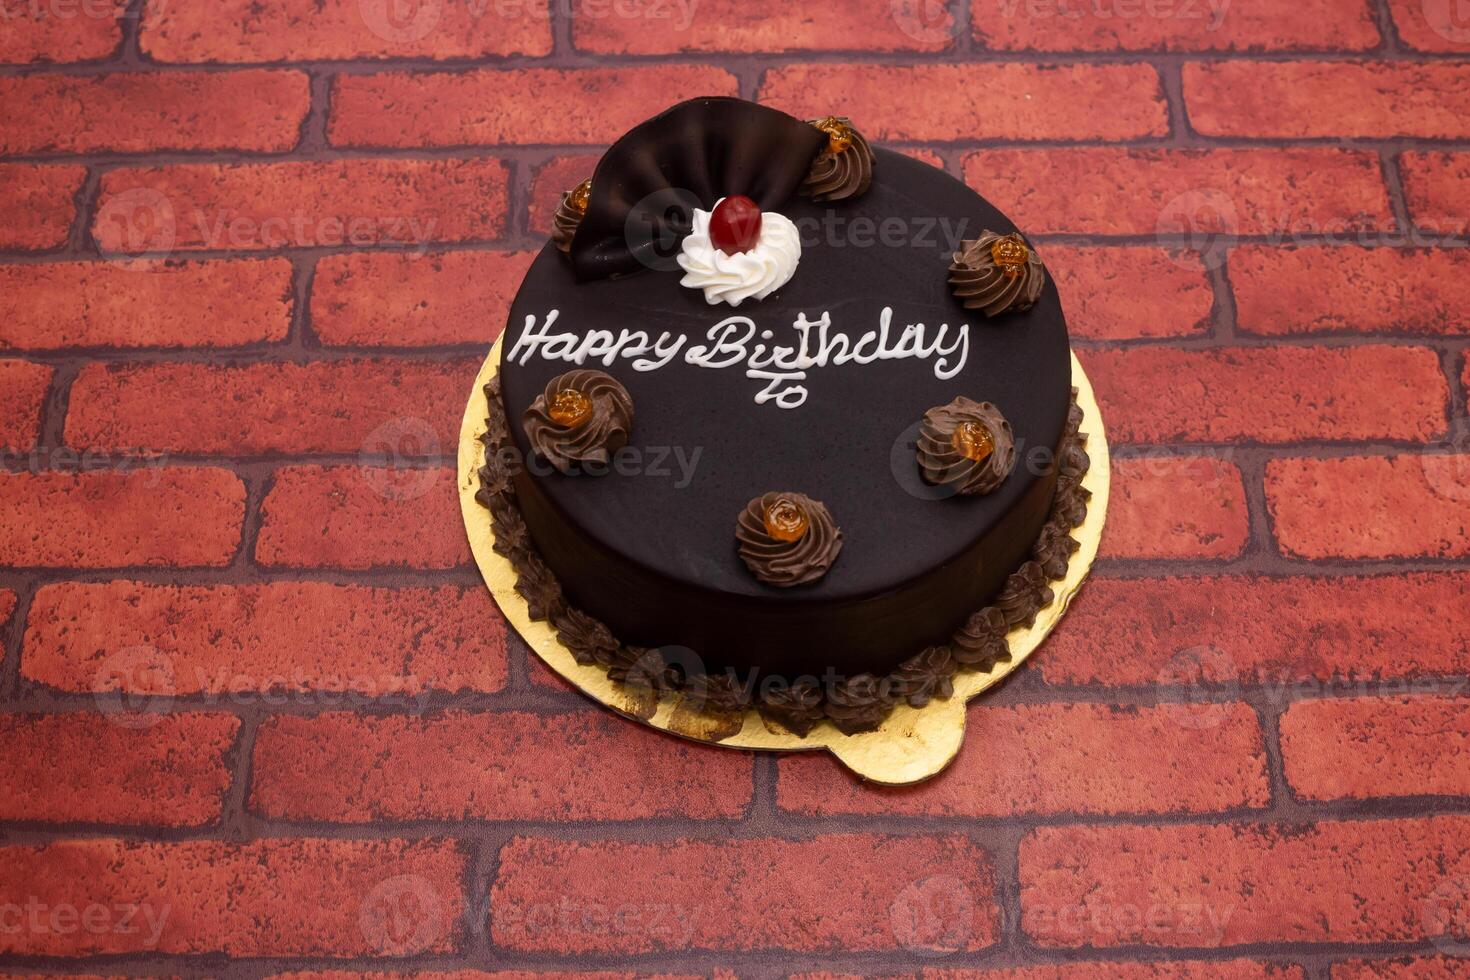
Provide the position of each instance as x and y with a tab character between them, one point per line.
942	463
924	677
980	283
593	439
981	642
568	216
844	167
853	704
646	186
787	563
859	703
797	706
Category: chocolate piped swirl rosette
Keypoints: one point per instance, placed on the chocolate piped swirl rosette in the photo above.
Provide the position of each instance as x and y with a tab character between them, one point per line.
844	167
582	417
787	539
966	445
997	274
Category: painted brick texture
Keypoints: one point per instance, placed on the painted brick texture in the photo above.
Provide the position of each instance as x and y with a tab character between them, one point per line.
253	689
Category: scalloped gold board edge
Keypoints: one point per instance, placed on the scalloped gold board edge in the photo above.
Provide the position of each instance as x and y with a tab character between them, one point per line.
912	745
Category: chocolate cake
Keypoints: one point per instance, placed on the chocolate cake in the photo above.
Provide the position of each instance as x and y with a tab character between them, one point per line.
783	420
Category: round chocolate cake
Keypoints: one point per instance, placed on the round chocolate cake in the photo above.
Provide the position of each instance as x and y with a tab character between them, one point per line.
783	420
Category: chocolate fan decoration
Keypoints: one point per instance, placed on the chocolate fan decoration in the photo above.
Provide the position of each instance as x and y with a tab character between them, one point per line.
647	184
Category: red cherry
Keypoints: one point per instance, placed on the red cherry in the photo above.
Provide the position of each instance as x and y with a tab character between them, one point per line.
735	225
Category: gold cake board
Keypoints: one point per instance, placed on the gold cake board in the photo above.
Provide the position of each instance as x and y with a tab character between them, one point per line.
910	746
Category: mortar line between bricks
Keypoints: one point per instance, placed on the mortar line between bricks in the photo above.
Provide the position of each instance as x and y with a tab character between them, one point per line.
533	241
1268	716
1263	564
12	644
166	157
763	963
1277	693
1171	88
573	60
239	760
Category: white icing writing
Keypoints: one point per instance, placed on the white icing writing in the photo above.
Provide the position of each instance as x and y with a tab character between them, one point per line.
737	341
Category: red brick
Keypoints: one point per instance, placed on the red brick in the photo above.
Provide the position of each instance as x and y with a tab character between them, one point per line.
1361	748
35	32
501	766
141	111
874	892
1227	885
1403	968
37	204
257	898
1118	970
175	304
1099	288
1176	507
1437	188
1241	25
651	27
1202	193
384	299
1342	289
1321	99
1060	758
7	606
299	637
405	407
88	768
1272	394
1343	631
300	204
343	30
1431	25
362	517
520	105
477	975
1371	506
151	515
980	101
23	387
552	178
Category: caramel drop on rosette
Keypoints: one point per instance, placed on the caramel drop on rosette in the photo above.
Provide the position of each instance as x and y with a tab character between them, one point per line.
1010	256
839	134
785	521
569	408
973	440
577	196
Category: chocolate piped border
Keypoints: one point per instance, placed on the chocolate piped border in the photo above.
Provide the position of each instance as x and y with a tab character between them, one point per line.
858	703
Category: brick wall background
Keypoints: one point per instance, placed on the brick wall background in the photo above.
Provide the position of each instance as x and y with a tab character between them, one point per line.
258	716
